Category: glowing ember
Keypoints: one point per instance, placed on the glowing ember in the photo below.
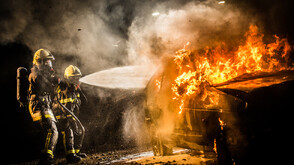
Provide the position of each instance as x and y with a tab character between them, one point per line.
221	123
219	64
158	84
214	146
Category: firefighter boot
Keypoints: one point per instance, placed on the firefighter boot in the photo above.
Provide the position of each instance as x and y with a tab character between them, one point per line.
80	154
73	158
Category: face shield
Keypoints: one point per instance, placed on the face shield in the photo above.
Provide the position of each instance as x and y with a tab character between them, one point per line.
45	64
48	63
74	80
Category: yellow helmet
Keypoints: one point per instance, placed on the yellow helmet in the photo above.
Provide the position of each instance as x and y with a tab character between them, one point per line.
72	71
42	54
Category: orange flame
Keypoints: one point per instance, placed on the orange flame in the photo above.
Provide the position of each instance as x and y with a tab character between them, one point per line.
158	84
214	146
221	123
219	64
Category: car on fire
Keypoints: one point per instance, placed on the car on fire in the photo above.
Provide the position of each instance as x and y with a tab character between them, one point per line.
226	118
231	99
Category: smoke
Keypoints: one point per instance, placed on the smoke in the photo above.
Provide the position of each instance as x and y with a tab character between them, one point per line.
67	28
134	128
106	34
152	37
13	19
201	23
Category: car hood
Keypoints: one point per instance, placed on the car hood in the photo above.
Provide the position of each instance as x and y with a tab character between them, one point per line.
249	82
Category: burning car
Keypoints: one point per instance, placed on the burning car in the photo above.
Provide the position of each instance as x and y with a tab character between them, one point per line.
212	99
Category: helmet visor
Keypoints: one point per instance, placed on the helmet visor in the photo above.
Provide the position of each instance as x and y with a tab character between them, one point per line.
74	79
48	63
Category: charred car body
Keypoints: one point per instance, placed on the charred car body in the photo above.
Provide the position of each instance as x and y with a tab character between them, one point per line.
228	98
235	118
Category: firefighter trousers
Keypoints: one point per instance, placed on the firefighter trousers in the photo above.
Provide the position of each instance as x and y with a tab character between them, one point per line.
78	137
67	136
49	128
78	142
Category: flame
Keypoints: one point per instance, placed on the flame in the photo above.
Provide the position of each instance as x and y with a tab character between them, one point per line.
219	64
221	123
158	84
214	146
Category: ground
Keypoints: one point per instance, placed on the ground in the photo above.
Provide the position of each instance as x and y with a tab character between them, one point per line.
142	156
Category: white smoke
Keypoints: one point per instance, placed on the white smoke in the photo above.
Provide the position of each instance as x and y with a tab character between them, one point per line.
134	128
82	34
202	24
72	28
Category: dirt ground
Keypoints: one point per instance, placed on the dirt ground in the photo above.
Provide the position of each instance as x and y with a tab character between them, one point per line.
185	157
142	156
180	156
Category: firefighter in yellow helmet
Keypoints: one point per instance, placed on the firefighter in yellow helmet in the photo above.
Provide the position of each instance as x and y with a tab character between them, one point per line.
42	84
69	94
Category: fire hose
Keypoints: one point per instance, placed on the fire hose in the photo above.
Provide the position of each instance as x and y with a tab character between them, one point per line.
82	132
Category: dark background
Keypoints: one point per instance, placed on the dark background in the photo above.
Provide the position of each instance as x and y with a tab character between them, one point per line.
20	136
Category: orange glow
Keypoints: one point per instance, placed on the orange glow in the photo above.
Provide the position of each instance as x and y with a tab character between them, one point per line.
221	123
219	63
158	84
214	146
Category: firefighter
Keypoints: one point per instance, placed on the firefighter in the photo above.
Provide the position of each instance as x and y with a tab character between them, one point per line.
42	83
69	94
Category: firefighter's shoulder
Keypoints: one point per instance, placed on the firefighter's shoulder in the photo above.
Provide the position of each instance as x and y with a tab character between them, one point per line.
62	85
33	75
